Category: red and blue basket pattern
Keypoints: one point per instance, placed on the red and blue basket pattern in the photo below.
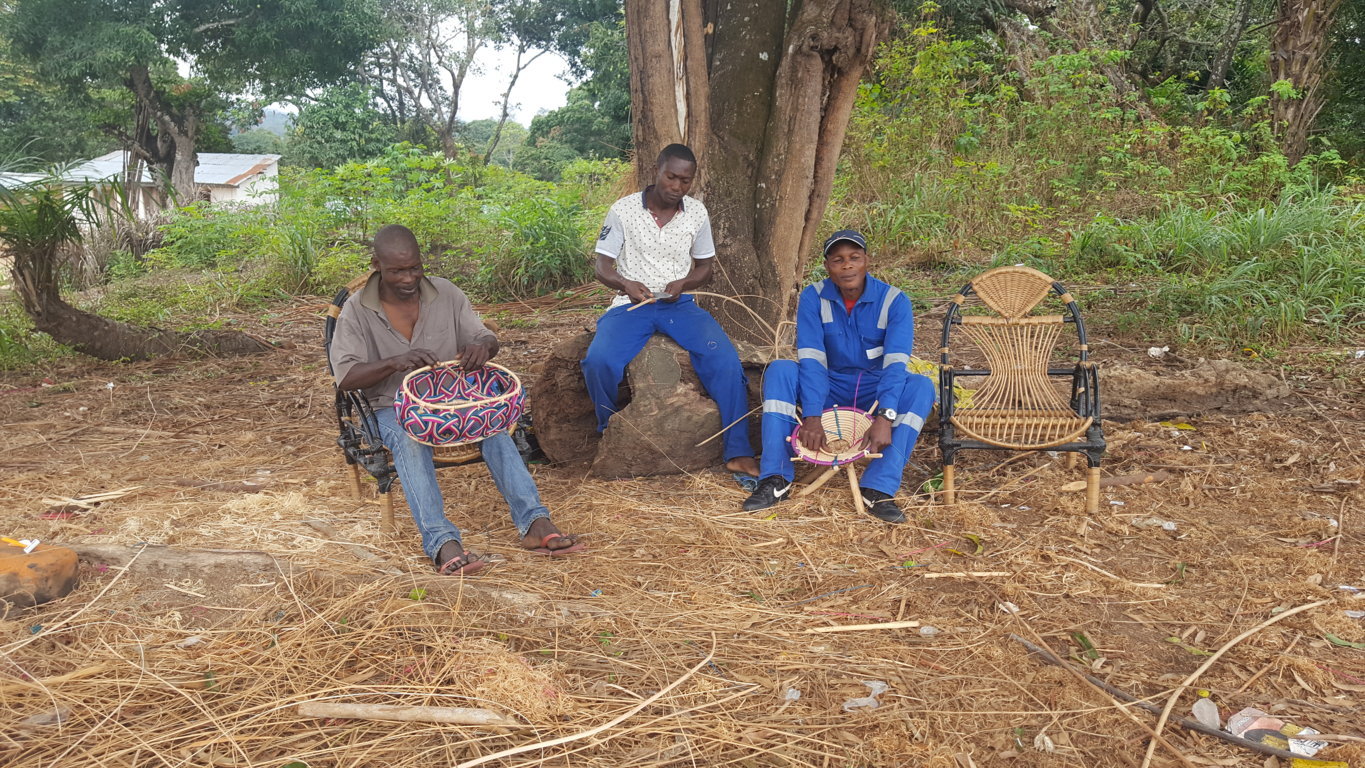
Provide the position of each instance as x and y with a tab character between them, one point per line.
435	406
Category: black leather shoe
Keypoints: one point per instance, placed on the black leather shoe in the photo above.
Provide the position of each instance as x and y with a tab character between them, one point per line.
770	490
881	506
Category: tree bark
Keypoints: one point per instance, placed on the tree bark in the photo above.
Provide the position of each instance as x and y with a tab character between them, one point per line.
165	139
1298	53
762	91
1227	44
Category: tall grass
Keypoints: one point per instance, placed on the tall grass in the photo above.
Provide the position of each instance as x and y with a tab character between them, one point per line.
1288	270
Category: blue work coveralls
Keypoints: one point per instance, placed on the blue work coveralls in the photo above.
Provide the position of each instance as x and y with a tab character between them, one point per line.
851	359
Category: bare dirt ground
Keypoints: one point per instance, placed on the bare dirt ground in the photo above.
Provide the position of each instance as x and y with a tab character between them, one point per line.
201	662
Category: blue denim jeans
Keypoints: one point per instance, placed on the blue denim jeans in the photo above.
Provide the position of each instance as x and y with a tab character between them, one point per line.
418	476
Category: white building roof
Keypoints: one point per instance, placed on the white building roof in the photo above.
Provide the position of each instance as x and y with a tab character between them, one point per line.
12	180
215	169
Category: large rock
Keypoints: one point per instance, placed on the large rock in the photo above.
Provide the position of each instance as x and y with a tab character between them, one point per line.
665	413
1211	386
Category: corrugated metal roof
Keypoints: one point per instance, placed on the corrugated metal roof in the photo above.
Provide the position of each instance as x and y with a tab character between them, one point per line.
12	180
217	169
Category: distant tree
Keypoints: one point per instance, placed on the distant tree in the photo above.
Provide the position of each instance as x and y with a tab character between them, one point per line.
595	121
476	134
341	125
533	28
232	46
258	141
419	69
545	159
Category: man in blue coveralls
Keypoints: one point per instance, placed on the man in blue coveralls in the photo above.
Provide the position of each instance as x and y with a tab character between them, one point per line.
657	244
853	337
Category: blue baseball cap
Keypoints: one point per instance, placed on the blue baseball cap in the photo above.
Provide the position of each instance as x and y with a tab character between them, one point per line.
851	235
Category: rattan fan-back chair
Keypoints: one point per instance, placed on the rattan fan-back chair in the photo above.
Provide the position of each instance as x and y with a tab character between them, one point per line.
358	430
1020	403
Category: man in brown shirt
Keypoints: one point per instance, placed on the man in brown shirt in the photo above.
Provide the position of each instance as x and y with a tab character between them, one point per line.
400	321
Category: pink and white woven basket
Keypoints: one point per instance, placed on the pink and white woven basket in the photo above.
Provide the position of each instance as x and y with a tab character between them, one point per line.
443	405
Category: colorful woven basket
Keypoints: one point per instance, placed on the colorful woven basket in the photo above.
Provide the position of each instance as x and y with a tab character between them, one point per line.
844	429
443	405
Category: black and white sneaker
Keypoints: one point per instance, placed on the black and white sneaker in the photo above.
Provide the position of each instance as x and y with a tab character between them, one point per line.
882	506
770	490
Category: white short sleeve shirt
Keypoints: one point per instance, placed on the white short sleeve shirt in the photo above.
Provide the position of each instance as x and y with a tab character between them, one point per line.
651	254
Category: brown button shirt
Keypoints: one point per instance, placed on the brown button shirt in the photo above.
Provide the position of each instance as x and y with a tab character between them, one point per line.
446	323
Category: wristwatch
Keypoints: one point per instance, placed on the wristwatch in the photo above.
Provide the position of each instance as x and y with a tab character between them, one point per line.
888	413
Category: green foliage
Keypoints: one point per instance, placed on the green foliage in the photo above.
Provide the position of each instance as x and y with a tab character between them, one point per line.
258	141
953	152
498	233
595	121
236	45
544	247
21	346
948	142
40	120
342	125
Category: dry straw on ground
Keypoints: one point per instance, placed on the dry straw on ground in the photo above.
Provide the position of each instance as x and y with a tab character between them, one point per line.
205	667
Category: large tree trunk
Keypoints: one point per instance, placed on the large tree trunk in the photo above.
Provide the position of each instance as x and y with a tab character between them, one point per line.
35	280
1227	44
1298	52
762	91
165	139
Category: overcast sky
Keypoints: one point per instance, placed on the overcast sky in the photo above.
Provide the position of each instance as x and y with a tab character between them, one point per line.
540	88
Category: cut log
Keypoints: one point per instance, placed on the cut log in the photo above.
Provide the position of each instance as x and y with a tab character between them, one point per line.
665	416
226	565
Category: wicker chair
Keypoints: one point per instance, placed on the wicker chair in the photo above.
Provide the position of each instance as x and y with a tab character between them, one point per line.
358	431
1021	402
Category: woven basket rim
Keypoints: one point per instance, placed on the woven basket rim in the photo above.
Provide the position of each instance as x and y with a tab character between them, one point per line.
413	399
825	458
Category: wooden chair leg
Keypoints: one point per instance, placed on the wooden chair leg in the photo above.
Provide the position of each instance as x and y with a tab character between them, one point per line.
949	489
1092	490
819	481
355	480
386	522
1071	459
857	492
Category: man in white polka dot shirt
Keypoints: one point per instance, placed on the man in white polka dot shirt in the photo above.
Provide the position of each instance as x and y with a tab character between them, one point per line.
657	244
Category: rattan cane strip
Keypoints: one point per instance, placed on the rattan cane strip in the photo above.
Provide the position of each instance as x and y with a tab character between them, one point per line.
1012	291
1020	431
1017	356
1030	320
